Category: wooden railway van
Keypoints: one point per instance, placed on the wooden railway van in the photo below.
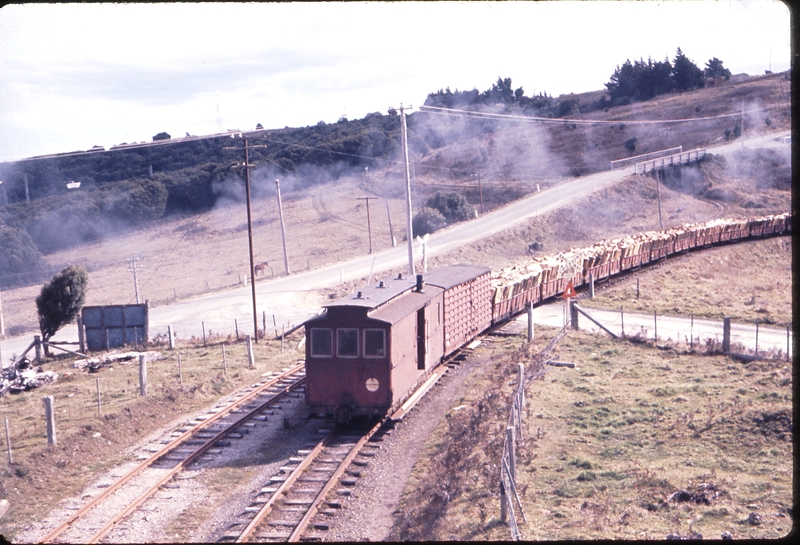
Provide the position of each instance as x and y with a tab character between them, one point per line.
367	351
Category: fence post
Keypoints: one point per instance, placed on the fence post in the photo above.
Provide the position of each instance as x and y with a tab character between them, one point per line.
264	322
691	333
142	375
81	336
203	324
250	358
622	320
236	325
512	454
37	339
49	415
180	370
757	324
503	506
529	308
224	362
8	442
170	337
787	343
591	286
726	334
573	314
655	328
283	332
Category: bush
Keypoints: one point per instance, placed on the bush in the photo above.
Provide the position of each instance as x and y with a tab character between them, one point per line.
452	206
60	300
630	144
427	221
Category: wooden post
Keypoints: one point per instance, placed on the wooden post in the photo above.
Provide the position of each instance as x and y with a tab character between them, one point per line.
573	314
203	324
236	325
622	320
250	358
691	333
49	415
8	442
37	339
264	322
591	286
107	344
726	334
655	327
757	324
512	453
503	500
787	343
283	332
170	337
142	375
224	362
81	336
637	288
97	383
180	370
529	308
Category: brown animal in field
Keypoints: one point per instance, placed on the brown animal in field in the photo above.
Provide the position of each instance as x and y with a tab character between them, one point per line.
261	268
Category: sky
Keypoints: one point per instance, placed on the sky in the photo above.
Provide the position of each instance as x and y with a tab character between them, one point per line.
73	76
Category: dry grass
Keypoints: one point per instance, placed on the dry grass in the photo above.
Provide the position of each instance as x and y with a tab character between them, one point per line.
608	442
89	443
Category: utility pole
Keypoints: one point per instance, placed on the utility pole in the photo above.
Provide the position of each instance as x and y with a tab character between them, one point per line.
369	227
283	227
391	231
409	228
247	166
133	261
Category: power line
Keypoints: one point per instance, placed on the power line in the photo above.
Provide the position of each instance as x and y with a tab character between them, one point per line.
564	121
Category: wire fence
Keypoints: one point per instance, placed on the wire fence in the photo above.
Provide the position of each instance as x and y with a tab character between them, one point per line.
509	494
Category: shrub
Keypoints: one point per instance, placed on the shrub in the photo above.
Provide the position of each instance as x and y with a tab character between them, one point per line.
60	300
452	206
630	144
427	221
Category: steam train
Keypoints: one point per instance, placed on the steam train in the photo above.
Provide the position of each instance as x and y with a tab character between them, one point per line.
368	351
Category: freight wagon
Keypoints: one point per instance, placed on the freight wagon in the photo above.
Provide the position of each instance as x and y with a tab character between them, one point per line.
368	351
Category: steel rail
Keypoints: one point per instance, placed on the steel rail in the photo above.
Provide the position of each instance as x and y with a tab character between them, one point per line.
189	459
172	445
314	508
285	485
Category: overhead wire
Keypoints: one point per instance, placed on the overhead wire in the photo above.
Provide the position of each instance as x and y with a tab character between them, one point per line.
563	121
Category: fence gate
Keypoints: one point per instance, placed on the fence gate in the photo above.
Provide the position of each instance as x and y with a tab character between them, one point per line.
112	326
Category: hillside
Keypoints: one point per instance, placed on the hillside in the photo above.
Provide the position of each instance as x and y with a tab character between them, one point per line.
490	162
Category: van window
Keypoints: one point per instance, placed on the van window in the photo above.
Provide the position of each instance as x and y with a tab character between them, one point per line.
321	342
374	343
347	343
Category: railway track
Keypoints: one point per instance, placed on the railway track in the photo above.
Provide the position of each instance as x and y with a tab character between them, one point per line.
204	435
285	509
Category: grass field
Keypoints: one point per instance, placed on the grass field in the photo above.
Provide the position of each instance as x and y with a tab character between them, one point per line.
89	443
609	443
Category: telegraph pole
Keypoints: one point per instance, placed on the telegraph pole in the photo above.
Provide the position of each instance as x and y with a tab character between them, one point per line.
283	227
391	231
247	166
409	228
133	261
369	227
